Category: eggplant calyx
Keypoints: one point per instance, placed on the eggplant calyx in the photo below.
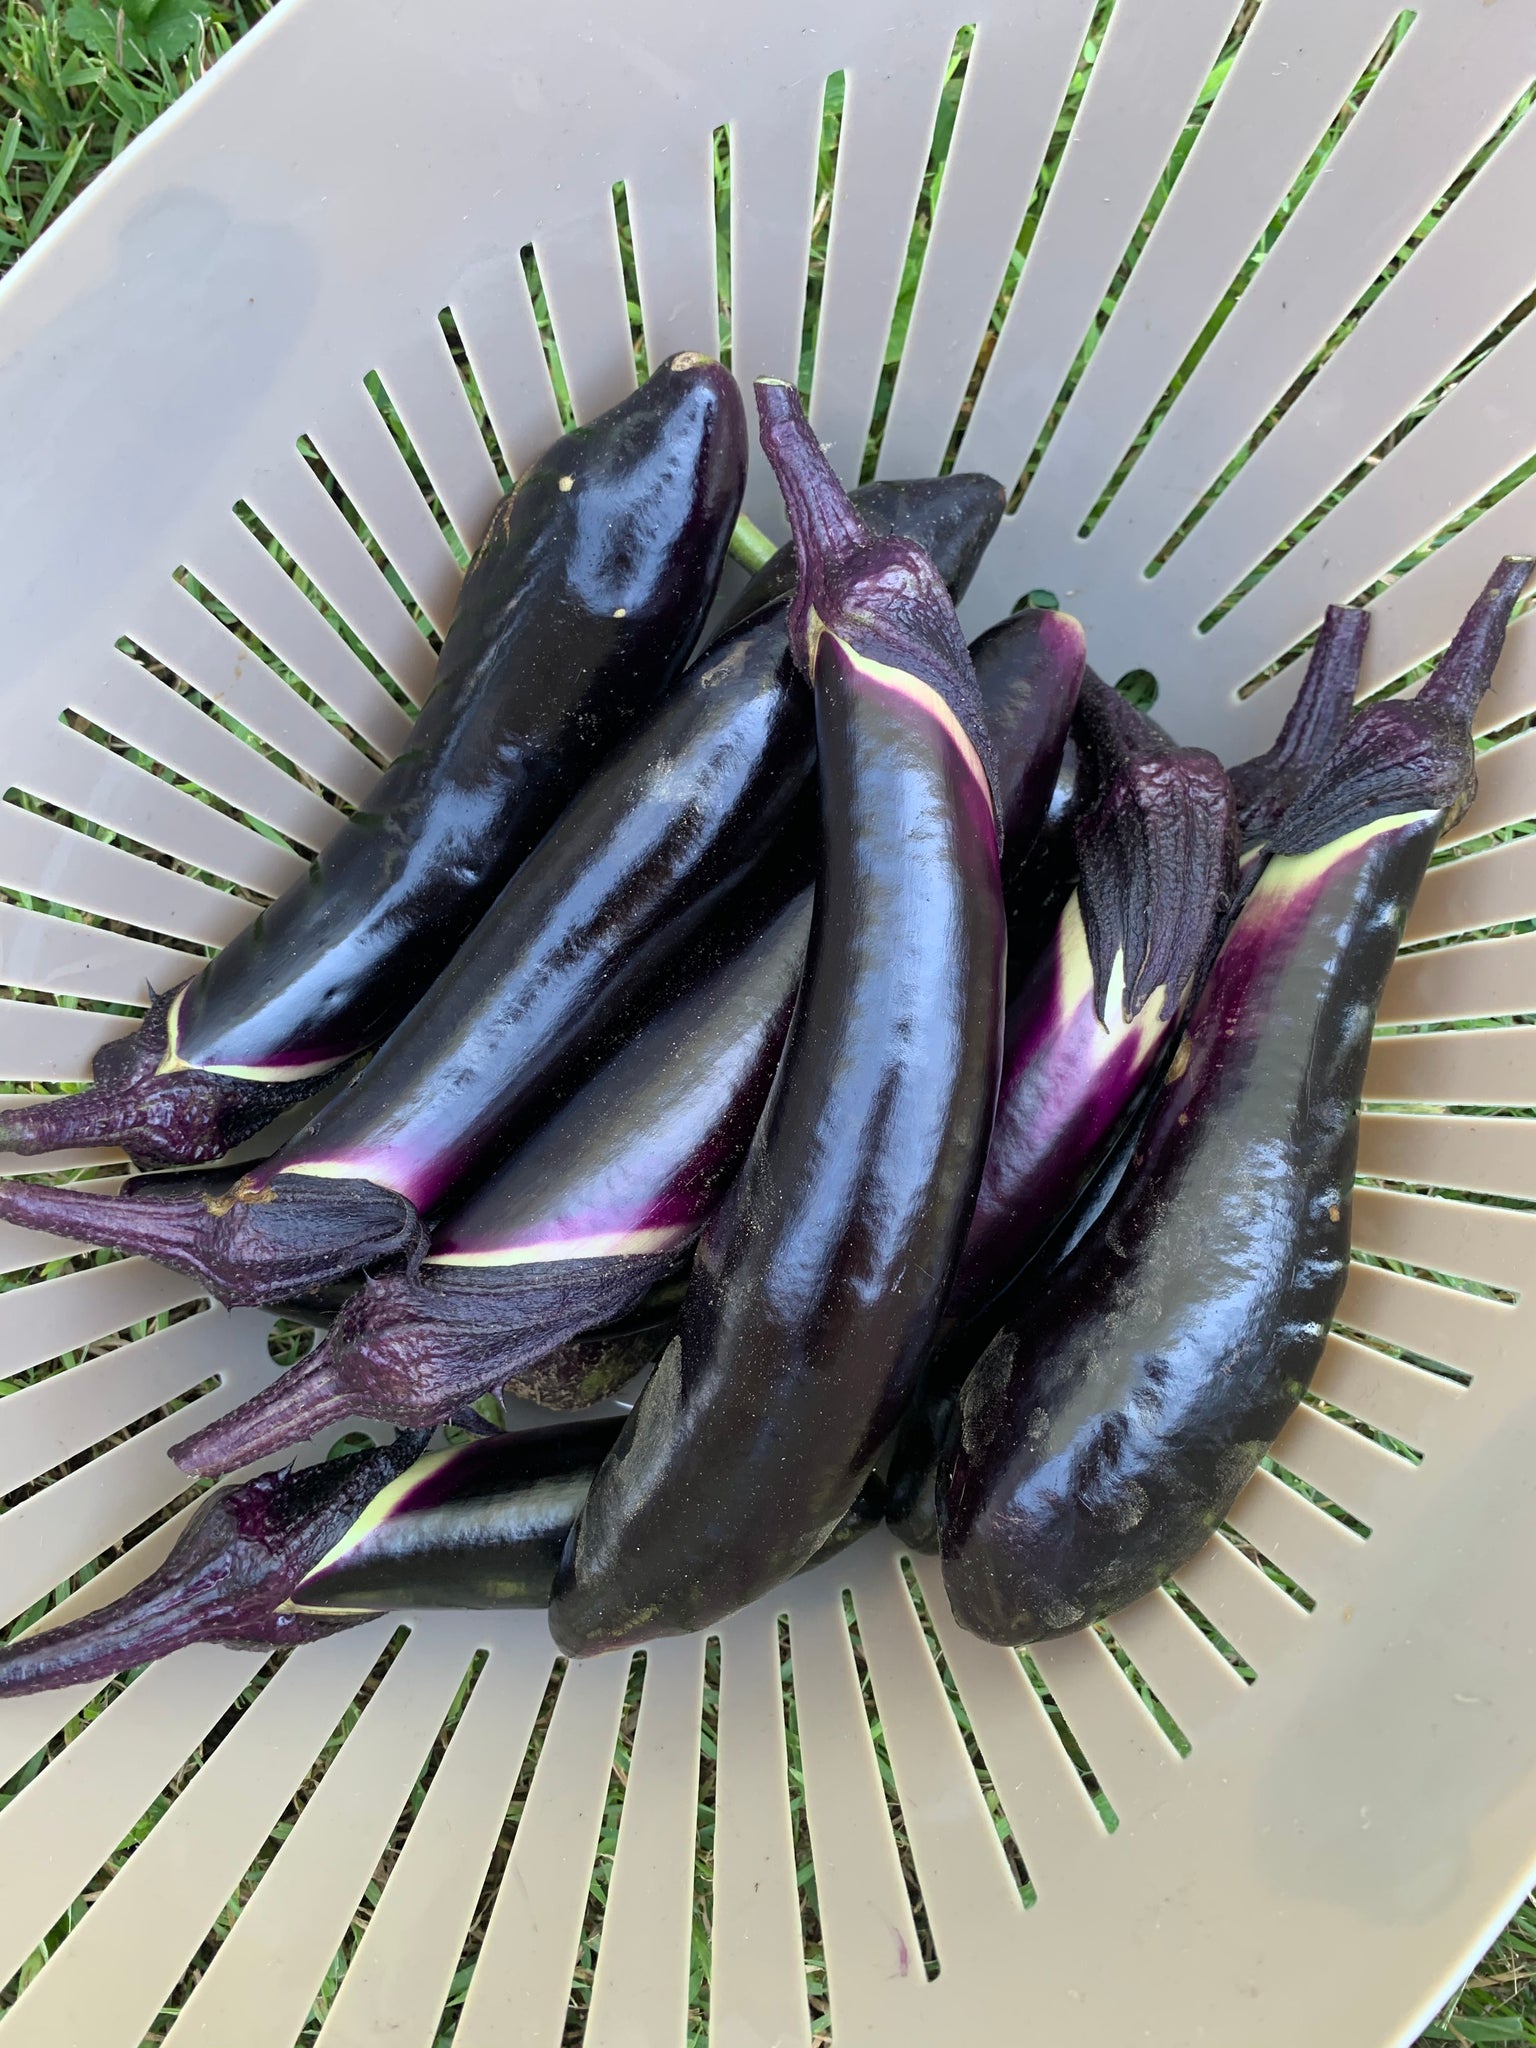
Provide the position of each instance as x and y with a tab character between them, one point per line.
879	594
1465	670
250	1245
1112	731
1267	785
414	1351
240	1556
1158	860
1411	753
186	1117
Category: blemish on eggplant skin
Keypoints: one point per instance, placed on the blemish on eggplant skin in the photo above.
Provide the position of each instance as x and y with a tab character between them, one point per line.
566	482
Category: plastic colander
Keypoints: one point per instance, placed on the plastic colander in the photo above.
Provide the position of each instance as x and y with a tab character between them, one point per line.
1284	1800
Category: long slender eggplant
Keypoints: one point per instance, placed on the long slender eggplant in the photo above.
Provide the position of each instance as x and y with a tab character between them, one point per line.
292	1556
1090	1028
592	933
609	1196
819	1283
575	1228
1105	1434
577	612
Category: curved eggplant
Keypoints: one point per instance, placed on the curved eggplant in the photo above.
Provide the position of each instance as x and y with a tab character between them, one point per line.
1158	869
576	614
591	935
1029	669
1107	1432
293	1556
819	1283
1159	884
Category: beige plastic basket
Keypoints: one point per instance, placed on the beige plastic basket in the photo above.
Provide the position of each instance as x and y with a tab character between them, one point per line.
1346	1828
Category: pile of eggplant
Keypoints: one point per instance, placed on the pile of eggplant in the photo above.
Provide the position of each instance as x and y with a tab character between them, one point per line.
932	1087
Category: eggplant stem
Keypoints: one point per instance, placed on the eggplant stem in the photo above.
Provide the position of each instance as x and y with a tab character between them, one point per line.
1314	727
303	1399
750	546
824	525
164	1230
1466	668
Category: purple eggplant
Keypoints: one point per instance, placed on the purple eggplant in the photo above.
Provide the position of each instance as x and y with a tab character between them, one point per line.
293	1556
576	1227
818	1285
609	1196
592	934
577	613
1107	1430
1029	670
1157	865
1156	858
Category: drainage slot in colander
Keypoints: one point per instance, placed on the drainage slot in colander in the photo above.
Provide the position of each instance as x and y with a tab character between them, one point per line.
1000	1821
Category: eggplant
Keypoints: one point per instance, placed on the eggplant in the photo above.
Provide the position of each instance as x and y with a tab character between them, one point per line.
818	1284
1159	881
1108	1429
590	936
293	1556
608	1197
576	614
601	1204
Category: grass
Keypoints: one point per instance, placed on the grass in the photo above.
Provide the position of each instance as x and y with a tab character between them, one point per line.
77	82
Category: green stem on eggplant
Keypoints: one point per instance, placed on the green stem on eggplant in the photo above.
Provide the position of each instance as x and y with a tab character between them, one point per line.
750	546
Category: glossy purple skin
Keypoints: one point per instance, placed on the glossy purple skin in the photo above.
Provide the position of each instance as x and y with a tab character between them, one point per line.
1029	669
1105	1433
1067	1083
575	616
952	518
653	1140
818	1285
597	923
657	1133
238	1559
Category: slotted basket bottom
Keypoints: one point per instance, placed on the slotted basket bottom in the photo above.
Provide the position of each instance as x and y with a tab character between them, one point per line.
1229	297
